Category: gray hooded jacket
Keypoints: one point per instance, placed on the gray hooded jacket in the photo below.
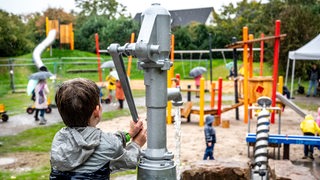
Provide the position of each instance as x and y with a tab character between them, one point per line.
87	149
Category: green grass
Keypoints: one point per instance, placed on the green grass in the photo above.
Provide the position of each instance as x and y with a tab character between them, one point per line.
37	174
39	140
34	140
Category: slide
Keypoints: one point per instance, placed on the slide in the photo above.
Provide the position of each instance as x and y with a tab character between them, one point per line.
289	103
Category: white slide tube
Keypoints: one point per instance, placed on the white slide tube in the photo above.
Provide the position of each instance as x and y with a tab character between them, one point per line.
36	55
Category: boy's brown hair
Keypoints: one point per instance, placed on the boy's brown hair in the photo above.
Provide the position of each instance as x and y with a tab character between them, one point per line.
76	100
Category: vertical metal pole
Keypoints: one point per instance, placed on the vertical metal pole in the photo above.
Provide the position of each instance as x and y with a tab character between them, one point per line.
189	100
210	56
235	68
152	49
11	72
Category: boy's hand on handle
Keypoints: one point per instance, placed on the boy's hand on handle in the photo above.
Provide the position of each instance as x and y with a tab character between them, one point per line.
141	137
135	128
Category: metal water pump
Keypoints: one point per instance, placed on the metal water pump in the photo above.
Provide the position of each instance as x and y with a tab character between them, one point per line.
152	49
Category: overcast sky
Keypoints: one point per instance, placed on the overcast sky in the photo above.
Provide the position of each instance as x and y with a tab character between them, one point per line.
133	6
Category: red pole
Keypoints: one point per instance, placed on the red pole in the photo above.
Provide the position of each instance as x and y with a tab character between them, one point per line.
261	54
98	56
275	66
219	96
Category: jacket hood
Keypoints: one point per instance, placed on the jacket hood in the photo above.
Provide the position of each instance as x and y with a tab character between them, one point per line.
209	120
308	117
73	146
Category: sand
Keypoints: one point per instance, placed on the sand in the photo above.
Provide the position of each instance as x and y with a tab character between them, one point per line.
231	143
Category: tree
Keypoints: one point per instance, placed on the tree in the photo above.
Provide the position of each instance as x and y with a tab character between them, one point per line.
299	20
14	39
109	8
109	31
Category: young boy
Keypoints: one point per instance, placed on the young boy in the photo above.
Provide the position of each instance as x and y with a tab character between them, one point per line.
82	151
309	127
210	136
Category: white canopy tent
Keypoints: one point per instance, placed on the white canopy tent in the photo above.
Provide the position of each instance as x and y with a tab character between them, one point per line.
310	51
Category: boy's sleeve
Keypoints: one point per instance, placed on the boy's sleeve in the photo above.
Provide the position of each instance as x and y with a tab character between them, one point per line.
128	159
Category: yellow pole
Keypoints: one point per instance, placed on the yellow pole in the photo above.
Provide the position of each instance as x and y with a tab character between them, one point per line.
47	26
130	57
169	82
246	74
172	55
201	120
280	85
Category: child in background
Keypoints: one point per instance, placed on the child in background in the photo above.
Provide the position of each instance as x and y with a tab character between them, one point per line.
318	123
210	137
119	94
197	83
309	128
82	151
111	87
41	91
318	118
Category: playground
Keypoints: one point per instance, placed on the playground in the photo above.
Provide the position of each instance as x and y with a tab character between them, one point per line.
174	148
231	143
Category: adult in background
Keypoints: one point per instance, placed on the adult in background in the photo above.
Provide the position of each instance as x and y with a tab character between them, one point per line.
314	77
41	90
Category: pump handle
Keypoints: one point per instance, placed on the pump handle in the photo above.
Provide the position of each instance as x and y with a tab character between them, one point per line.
118	62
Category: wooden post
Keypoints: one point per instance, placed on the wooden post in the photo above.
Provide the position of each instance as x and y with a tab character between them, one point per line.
220	97
250	56
245	80
201	120
98	56
213	89
275	66
261	54
130	57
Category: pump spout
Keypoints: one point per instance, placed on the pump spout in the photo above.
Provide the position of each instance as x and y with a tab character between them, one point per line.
36	55
174	95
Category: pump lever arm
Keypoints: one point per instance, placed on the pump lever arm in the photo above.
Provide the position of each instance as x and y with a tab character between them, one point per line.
118	62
